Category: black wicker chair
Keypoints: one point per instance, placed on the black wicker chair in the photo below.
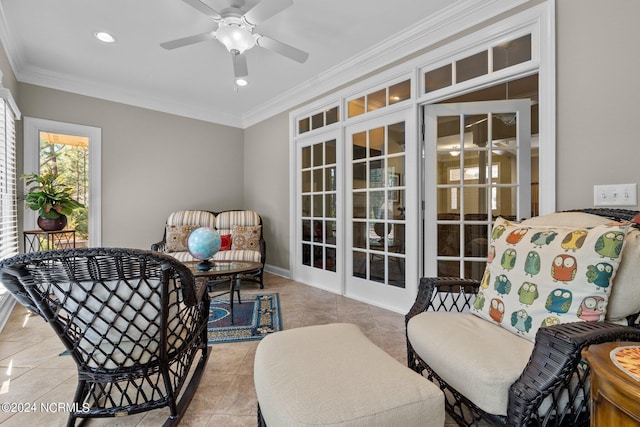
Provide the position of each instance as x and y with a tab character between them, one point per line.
554	371
132	320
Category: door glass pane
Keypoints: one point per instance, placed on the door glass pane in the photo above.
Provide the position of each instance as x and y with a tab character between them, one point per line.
318	158
317	121
395	138
306	230
330	148
330	179
380	200
306	255
355	107
377	100
330	205
359	145
448	239
359	175
376	142
512	52
396	268
472	66
360	205
330	232
476	130
475	182
438	78
318	180
303	125
330	259
306	157
306	205
332	116
376	174
319	206
399	92
360	235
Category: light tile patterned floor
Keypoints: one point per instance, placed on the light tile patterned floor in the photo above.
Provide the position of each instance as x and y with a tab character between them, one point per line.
31	369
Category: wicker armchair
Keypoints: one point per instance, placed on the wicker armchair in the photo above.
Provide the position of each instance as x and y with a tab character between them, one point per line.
553	388
132	321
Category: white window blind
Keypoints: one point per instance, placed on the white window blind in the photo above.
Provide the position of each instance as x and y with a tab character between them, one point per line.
8	179
9	113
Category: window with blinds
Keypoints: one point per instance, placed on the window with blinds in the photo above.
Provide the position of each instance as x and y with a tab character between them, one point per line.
8	180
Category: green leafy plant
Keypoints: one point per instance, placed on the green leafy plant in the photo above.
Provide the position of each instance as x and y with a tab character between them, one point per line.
51	197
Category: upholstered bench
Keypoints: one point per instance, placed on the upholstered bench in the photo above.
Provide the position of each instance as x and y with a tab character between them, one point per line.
333	375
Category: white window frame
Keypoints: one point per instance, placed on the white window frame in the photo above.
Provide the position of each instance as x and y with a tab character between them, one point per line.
32	128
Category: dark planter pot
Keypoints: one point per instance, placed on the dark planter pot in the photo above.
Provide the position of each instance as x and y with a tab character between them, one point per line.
57	224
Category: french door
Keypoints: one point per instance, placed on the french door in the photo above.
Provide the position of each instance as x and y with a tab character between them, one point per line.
477	167
319	231
382	211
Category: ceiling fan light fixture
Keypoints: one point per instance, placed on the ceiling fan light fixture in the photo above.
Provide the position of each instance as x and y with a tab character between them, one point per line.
241	81
235	36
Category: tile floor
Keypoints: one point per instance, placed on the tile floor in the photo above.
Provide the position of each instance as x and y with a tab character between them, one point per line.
31	369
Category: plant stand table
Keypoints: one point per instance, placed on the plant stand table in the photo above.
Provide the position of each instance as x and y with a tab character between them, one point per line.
232	270
38	240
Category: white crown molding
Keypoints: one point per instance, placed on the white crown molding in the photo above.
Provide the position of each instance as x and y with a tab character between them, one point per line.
459	16
14	56
46	78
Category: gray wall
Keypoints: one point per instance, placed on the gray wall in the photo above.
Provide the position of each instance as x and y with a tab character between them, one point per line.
266	183
152	163
598	87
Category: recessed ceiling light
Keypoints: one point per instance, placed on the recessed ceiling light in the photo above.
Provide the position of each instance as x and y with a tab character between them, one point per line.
104	37
241	82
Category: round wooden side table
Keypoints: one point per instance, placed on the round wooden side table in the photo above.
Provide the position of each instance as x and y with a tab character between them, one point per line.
615	395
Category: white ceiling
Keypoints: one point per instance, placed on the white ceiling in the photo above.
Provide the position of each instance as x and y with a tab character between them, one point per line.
51	43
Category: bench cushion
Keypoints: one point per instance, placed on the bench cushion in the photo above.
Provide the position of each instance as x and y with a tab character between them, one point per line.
333	375
478	358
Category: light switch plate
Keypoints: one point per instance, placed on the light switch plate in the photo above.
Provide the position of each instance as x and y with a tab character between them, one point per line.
615	195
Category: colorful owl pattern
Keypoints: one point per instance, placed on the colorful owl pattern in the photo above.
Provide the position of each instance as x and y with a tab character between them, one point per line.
543	276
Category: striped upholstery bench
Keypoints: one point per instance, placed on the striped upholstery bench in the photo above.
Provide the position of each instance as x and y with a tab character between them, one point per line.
240	229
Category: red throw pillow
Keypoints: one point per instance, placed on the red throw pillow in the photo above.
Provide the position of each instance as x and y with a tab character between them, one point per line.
226	242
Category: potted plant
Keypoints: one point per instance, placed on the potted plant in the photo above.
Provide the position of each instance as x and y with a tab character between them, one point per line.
52	198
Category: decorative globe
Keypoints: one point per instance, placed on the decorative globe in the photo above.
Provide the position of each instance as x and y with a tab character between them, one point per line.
203	243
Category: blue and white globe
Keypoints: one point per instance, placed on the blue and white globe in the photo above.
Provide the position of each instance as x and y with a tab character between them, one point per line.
203	243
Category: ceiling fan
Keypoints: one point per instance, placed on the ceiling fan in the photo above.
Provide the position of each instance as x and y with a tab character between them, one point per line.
234	29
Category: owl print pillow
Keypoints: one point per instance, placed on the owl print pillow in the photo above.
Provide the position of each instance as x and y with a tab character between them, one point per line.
541	276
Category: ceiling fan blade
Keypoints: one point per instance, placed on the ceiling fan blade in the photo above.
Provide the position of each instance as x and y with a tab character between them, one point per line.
204	8
240	68
185	41
282	48
264	10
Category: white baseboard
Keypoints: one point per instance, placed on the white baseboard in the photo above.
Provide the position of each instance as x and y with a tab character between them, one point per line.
277	271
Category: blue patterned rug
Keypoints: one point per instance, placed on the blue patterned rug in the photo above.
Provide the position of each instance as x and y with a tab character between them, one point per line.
257	316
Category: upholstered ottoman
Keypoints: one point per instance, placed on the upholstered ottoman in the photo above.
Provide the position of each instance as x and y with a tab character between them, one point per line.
333	375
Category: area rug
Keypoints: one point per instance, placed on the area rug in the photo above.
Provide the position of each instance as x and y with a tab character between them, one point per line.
256	317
